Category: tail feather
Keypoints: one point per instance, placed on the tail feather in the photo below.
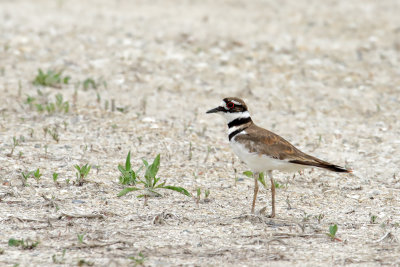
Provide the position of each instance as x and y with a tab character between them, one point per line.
322	164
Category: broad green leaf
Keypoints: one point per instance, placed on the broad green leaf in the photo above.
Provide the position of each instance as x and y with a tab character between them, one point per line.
151	170
333	229
261	179
128	161
146	164
178	189
127	190
14	242
160	185
248	174
121	169
155	181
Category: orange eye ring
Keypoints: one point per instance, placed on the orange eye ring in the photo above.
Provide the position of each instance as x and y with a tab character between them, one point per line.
230	105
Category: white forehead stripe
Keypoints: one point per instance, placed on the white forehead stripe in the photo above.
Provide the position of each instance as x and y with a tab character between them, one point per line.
235	102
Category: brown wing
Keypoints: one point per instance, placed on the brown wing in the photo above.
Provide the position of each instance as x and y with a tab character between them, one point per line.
261	141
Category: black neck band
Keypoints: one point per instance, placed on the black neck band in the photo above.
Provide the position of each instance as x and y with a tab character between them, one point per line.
232	134
239	121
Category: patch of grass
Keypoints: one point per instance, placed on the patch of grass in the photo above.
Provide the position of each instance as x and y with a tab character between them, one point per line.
82	173
37	175
51	78
15	143
80	238
54	134
198	195
55	177
25	176
198	191
139	260
206	193
45	105
320	217
24	244
61	104
150	184
30	100
89	83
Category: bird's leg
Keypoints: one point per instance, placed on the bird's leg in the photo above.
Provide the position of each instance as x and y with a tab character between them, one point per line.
272	193
255	176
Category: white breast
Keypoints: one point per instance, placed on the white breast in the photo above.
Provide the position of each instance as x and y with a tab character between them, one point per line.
259	163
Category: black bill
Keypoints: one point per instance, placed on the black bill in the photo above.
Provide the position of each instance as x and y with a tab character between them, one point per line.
215	110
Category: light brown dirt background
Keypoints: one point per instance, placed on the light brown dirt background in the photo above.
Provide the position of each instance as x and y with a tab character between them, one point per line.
323	74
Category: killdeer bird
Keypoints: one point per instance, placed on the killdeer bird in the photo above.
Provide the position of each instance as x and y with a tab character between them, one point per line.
261	149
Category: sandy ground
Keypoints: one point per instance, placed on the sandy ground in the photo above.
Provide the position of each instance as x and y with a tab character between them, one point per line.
324	75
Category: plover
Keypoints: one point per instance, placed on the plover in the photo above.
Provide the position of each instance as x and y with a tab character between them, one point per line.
262	150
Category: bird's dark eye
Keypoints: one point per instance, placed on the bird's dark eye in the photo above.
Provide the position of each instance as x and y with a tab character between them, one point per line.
230	105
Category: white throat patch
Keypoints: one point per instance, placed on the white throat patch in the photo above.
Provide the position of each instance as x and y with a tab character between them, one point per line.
235	115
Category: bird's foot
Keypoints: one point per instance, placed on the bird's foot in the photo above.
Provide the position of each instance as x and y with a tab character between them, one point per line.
263	211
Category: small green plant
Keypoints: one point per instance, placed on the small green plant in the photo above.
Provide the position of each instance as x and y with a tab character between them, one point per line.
198	191
15	143
139	260
61	104
54	134
198	195
39	107
320	217
373	219
206	193
30	100
50	107
80	238
37	175
82	173
89	82
278	185
51	78
25	176
128	176
24	244
332	232
55	177
261	178
150	183
43	104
